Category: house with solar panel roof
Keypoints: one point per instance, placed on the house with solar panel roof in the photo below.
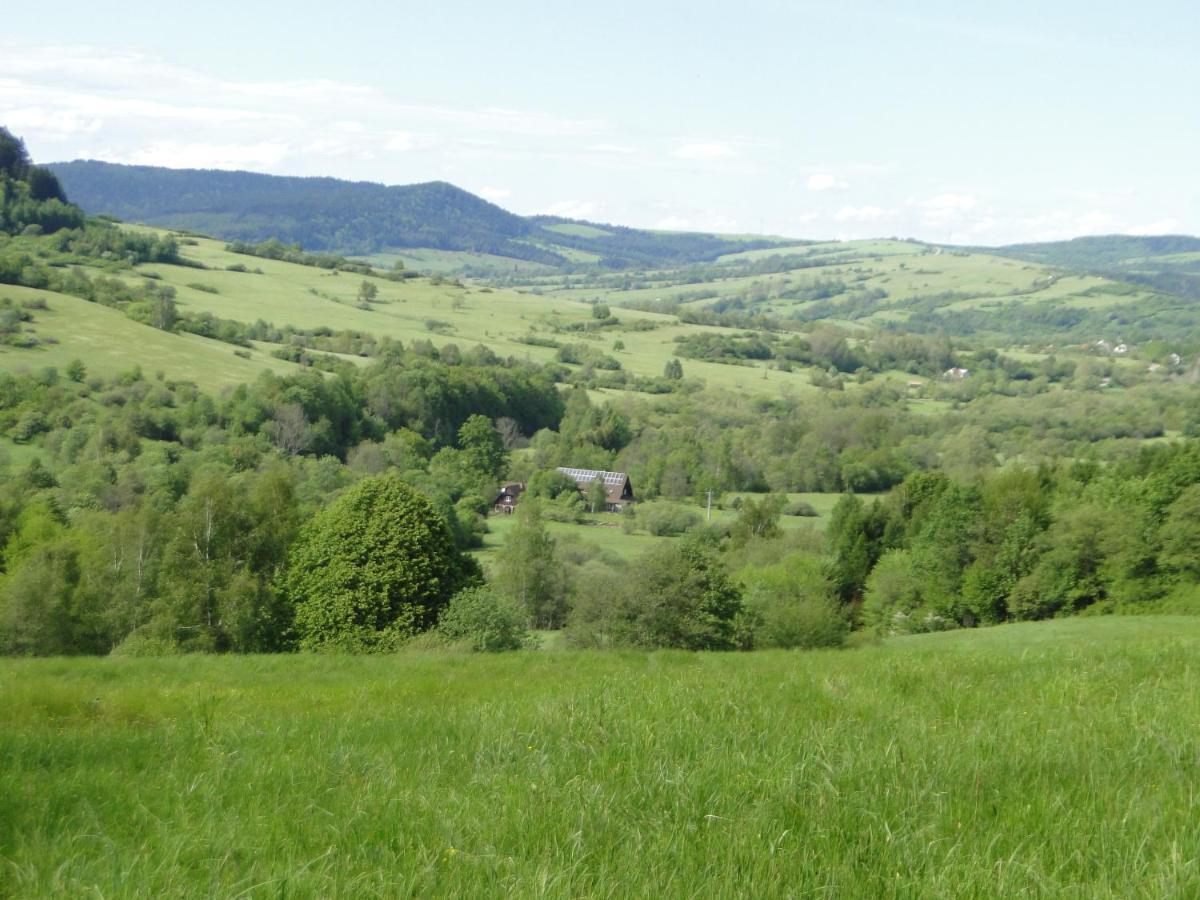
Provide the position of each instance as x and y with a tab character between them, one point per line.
618	490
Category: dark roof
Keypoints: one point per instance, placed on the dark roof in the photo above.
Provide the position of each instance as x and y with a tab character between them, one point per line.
510	491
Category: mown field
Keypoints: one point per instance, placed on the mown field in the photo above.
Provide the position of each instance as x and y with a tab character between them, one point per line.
1056	759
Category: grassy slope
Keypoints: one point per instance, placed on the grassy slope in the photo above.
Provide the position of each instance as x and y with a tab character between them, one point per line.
447	261
907	272
307	298
1055	759
109	343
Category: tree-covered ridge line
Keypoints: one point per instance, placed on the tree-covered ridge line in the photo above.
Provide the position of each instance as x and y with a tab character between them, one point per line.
332	215
1102	251
31	198
1169	264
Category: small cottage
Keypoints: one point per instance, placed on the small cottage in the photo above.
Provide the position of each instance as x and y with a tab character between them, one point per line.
506	502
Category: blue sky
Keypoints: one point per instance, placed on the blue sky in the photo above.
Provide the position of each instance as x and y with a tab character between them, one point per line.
972	123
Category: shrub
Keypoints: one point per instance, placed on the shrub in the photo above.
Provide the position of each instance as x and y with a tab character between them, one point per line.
486	620
139	644
373	569
792	604
667	518
892	593
679	596
800	508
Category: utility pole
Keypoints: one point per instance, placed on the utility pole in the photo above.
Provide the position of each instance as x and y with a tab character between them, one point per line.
710	504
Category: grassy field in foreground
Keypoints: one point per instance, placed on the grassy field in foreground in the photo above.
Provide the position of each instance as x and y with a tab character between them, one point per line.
1054	760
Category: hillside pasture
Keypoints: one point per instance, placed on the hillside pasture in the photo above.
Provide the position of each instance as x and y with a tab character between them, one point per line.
548	313
450	261
109	344
504	320
1053	759
913	276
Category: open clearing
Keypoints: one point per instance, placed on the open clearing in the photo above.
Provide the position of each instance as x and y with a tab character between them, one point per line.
1056	759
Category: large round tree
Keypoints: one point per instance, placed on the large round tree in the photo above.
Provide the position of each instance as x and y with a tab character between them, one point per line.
373	569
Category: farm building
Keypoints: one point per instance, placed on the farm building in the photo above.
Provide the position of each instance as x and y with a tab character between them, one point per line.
506	502
618	491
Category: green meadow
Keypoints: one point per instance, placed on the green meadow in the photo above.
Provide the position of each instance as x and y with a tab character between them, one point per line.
911	274
604	530
110	344
282	293
526	322
1055	759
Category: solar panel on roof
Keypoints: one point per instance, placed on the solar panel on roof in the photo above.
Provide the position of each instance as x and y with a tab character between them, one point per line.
613	478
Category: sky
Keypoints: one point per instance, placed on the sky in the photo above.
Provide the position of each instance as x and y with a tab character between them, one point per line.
959	122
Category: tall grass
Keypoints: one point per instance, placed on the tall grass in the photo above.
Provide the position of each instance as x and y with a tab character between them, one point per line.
1057	760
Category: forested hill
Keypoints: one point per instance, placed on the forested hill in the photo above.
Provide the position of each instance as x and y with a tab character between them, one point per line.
1168	263
318	213
1107	251
359	218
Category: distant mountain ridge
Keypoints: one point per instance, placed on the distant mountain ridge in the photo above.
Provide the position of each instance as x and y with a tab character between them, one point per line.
361	217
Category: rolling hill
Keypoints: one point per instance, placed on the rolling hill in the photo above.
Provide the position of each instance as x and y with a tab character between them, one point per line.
437	227
1109	251
1168	263
363	218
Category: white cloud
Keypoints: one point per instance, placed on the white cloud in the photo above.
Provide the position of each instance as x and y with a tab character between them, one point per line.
614	149
51	123
494	194
1097	196
573	209
400	141
824	181
847	168
706	220
1161	226
951	201
1052	225
178	155
704	151
863	214
944	216
122	106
